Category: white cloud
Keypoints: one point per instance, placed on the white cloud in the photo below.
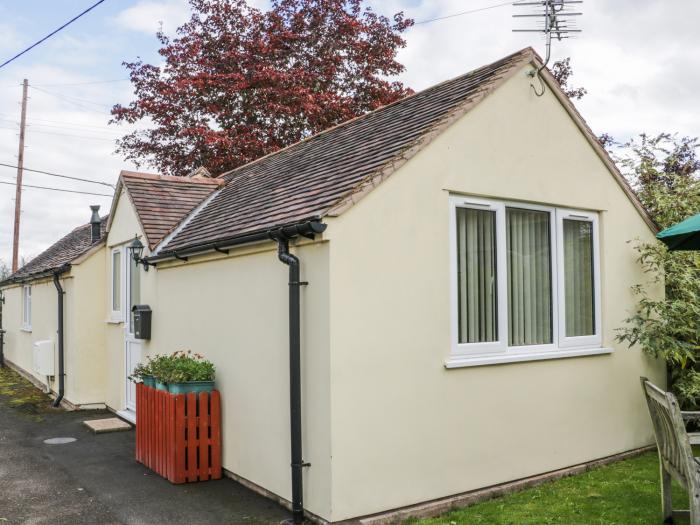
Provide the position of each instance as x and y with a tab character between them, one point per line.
146	16
637	58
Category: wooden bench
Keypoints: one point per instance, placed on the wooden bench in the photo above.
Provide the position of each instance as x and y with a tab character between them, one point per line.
676	457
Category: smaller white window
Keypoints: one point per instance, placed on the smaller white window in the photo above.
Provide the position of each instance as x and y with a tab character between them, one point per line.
116	285
579	279
27	307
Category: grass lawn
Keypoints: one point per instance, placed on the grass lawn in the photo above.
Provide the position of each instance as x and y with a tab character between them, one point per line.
624	493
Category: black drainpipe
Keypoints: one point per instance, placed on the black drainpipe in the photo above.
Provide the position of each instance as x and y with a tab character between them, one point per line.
2	332
294	377
60	291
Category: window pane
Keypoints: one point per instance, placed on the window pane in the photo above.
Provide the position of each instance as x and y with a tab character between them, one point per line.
116	281
578	278
529	277
476	276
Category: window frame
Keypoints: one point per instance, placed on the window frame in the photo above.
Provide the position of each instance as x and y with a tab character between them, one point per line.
27	307
474	354
116	315
587	340
493	347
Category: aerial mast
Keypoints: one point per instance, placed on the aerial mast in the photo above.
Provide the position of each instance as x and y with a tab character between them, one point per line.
554	19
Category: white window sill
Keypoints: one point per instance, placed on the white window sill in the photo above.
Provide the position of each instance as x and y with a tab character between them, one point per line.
114	321
27	329
463	361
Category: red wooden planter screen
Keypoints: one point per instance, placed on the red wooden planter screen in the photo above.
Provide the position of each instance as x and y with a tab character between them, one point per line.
179	435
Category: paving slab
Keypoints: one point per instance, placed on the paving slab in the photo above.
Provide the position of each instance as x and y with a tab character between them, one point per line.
110	424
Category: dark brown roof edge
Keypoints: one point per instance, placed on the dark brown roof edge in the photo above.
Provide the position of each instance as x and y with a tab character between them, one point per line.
306	227
37	275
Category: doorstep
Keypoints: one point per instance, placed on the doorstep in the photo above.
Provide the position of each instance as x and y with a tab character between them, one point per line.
127	415
112	424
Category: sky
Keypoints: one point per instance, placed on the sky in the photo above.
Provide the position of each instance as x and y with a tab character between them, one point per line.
638	59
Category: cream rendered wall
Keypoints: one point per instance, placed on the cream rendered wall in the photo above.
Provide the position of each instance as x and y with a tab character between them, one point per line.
84	313
234	311
404	428
124	226
84	354
18	342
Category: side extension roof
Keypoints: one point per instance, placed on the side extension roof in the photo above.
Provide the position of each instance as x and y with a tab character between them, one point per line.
161	202
59	255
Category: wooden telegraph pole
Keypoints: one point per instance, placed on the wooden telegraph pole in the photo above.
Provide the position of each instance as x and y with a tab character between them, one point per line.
18	188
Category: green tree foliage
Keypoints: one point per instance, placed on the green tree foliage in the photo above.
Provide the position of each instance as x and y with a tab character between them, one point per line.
664	170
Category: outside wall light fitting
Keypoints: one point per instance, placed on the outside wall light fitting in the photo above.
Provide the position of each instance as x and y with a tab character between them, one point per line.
136	249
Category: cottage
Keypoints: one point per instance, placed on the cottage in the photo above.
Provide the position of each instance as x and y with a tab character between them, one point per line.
462	266
55	302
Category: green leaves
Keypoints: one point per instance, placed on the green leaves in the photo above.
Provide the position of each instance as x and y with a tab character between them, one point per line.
181	367
665	173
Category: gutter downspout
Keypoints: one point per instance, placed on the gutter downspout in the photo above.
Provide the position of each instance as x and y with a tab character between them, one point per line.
294	377
2	332
60	293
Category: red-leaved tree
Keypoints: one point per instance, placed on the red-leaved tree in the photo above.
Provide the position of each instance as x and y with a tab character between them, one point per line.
238	83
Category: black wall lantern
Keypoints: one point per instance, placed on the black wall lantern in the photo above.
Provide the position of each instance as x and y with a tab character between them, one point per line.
136	249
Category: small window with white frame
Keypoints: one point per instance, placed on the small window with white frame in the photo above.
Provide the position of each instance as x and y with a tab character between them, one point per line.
525	282
116	285
27	307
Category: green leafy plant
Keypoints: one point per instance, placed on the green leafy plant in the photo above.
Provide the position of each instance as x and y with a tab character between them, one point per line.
182	367
665	172
140	371
160	366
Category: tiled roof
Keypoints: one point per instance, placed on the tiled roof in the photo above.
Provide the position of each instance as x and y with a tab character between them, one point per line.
61	253
161	202
310	179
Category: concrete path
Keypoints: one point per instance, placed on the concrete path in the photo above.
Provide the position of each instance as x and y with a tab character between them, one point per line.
95	480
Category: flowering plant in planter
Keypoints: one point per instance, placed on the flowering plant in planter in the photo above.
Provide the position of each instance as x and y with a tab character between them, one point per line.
143	373
182	372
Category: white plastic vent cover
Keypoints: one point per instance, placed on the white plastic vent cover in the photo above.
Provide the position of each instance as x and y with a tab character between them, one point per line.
44	358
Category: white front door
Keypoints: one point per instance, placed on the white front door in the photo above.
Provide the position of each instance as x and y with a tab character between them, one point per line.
132	346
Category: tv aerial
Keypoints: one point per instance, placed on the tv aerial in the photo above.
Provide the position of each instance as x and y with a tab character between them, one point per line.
554	19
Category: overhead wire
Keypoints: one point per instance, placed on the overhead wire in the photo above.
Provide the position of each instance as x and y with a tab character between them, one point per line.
33	126
56	189
86	137
462	13
70	97
38	42
85	83
51	174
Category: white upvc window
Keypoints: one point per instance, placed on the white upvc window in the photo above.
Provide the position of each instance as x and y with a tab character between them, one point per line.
525	282
27	307
116	288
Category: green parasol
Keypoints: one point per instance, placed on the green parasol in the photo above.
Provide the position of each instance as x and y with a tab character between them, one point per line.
682	236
